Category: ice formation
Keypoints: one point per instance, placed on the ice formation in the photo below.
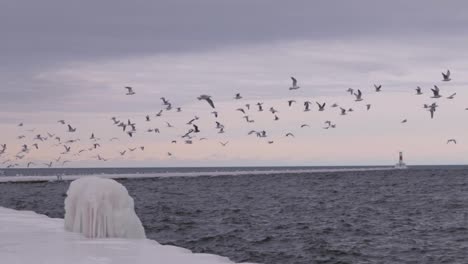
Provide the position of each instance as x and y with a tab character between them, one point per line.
100	208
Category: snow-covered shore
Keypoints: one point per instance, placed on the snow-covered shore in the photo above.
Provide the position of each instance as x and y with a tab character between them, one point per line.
24	178
30	238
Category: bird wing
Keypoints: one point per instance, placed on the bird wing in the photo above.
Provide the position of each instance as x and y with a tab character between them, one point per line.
210	102
294	81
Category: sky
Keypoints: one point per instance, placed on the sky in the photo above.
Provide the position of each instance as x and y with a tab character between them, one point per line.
71	60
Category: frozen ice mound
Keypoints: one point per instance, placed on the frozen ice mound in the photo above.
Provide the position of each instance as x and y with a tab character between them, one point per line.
101	208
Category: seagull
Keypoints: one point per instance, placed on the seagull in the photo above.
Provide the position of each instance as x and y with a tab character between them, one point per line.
20	124
321	106
241	110
179	109
191	121
169	124
92	136
224	143
207	98
446	76
159	113
215	114
130	133
132	149
30	163
123	152
71	129
48	164
289	134
276	118
169	154
260	108
273	110
436	92
358	96
334	105
247	106
36	146
290	102
452	140
350	90
148	118
452	96
196	130
368	106
404	121
61	122
418	91
270	142
378	87
238	96
129	90
165	102
67	148
343	111
306	105
304	125
294	84
65	161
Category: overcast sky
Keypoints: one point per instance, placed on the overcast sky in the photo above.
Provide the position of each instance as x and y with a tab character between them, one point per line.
70	60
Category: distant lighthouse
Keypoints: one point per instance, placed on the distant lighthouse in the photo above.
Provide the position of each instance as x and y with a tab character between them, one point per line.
400	164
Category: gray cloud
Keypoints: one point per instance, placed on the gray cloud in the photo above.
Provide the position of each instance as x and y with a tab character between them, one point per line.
39	34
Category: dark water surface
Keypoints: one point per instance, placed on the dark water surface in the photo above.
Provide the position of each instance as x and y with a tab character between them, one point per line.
403	216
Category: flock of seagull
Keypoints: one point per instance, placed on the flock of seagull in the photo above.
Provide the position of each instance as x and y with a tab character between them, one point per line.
10	159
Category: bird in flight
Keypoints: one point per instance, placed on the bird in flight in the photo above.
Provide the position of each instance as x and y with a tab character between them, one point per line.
436	92
238	96
377	87
294	84
71	129
452	140
207	98
358	96
321	106
129	90
446	76
224	143
452	96
418	91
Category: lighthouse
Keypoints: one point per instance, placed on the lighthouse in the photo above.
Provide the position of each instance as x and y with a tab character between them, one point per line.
400	164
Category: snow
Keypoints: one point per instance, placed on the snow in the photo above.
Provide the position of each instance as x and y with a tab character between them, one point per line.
30	238
21	178
100	208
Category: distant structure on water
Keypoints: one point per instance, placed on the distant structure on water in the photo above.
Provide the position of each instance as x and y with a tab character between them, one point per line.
400	164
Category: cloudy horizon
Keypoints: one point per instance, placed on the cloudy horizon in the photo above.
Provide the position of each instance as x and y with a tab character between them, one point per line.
72	61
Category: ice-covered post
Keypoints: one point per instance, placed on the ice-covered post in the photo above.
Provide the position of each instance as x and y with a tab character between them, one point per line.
99	208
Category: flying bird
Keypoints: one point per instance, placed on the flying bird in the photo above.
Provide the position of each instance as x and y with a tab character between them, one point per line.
418	91
321	106
436	92
452	140
207	98
129	90
224	143
358	96
71	129
452	96
446	76
294	84
238	96
378	87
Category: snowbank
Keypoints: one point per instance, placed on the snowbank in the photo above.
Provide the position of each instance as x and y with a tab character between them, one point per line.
30	238
100	208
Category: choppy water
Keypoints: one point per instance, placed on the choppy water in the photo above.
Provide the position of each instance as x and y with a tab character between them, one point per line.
418	215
